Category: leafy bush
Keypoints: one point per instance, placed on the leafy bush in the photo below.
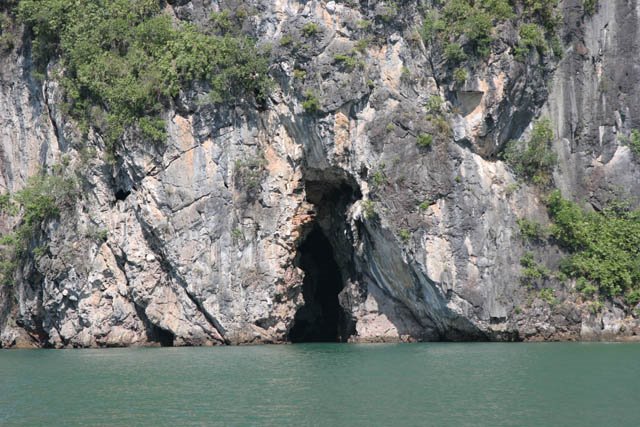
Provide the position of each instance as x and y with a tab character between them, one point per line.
441	125
532	272
286	40
589	6
369	209
585	287
299	74
424	205
548	295
604	246
388	12
544	11
379	178
533	160
7	32
39	201
531	36
634	142
473	22
595	307
434	104
424	140
310	29
460	75
349	61
311	104
474	19
633	297
530	230
405	235
454	52
436	118
128	58
248	175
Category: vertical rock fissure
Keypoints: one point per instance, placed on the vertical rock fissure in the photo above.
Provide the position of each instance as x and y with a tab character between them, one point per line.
326	257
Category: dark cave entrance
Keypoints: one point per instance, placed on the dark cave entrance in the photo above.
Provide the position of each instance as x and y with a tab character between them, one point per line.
320	318
161	336
164	337
325	255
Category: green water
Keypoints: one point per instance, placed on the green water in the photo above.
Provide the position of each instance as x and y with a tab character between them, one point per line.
325	385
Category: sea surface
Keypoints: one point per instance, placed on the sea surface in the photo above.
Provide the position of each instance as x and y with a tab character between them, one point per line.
437	384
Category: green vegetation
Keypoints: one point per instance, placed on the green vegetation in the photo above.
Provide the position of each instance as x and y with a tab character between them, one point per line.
405	73
544	11
511	188
533	160
363	24
237	236
532	272
589	6
299	74
460	75
348	61
369	209
362	44
434	104
604	246
531	36
530	230
466	28
633	297
473	19
454	53
634	142
424	140
440	125
7	32
548	295
286	40
124	61
586	287
388	12
405	235
310	29
379	178
41	200
596	306
424	205
311	104
102	235
436	118
249	173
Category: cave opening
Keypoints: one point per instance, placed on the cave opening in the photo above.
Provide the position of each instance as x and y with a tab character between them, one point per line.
161	336
164	337
320	318
122	194
325	255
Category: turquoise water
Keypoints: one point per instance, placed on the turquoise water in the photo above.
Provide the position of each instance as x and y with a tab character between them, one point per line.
325	385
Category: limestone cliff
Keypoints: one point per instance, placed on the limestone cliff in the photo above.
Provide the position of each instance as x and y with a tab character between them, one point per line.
228	232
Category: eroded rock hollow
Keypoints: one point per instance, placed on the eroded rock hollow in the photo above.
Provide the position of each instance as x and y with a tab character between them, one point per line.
326	257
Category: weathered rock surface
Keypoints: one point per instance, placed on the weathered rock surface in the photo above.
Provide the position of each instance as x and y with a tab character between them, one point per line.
197	242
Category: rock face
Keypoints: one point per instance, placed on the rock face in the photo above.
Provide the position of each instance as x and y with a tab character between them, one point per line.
207	239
